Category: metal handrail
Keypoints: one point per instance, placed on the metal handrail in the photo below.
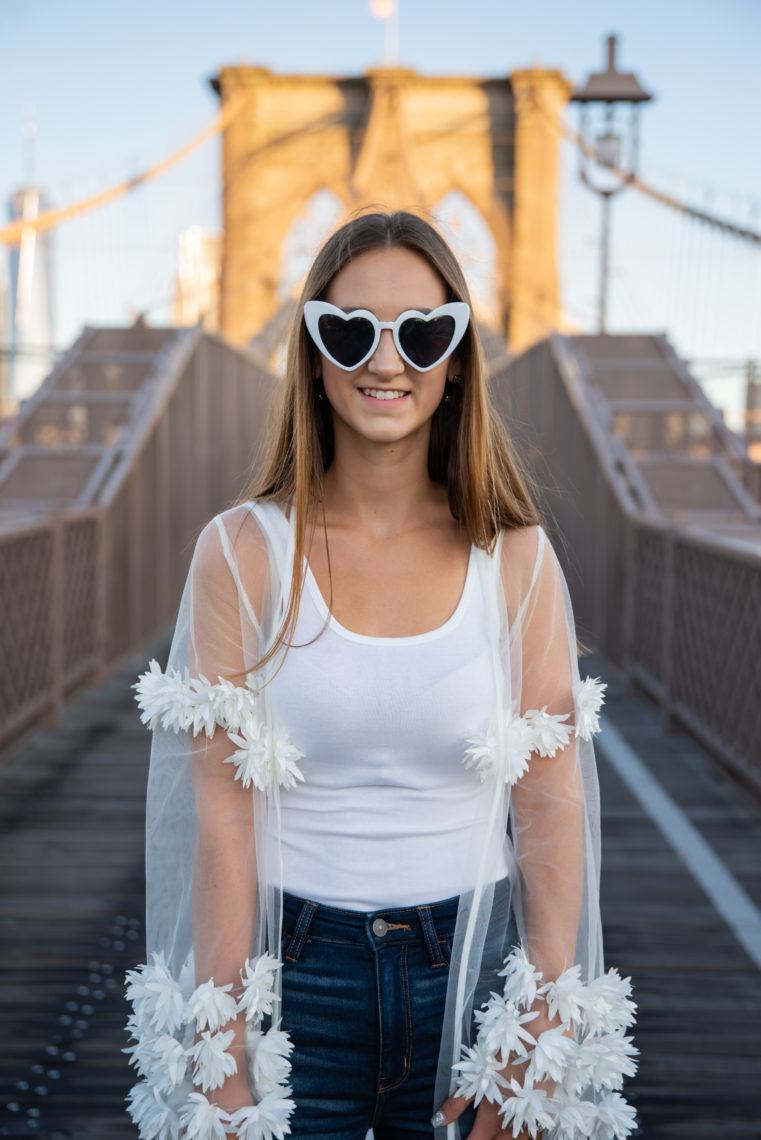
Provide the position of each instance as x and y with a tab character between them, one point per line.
675	607
84	585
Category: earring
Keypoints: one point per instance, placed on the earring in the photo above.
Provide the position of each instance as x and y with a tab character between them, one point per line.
455	379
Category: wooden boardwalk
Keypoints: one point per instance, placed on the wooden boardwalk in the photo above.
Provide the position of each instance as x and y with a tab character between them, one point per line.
71	914
71	923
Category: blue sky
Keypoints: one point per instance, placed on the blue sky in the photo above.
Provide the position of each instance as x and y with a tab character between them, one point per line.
116	87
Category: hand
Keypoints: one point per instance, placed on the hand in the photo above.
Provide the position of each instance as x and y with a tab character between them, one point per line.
489	1125
488	1122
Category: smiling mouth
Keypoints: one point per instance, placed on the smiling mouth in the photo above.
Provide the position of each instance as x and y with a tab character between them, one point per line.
384	393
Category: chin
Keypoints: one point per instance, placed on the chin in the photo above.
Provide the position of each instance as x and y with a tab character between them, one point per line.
377	428
390	434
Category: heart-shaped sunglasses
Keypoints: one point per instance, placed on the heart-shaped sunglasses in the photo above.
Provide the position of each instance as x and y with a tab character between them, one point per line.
422	339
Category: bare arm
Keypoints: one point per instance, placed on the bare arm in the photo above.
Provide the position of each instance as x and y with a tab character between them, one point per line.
225	869
548	802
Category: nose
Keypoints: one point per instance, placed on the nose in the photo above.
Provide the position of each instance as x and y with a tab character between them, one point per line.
386	361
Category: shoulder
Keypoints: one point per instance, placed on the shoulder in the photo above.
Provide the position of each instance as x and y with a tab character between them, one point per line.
232	547
522	542
521	549
527	564
228	530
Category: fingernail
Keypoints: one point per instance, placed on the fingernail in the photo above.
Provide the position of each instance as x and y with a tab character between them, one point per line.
438	1119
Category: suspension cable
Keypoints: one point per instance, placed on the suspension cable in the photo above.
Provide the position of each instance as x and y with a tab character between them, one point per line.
11	234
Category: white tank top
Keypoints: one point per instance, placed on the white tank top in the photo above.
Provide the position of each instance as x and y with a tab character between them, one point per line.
387	814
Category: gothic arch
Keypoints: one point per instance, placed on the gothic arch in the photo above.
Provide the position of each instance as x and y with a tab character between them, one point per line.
479	153
318	217
464	227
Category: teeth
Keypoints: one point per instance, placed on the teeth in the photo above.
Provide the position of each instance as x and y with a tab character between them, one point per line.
383	393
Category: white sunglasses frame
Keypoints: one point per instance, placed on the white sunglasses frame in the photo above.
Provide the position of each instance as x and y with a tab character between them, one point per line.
313	310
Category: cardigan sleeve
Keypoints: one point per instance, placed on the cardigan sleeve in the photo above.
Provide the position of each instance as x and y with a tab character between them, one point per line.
548	802
565	1081
208	1049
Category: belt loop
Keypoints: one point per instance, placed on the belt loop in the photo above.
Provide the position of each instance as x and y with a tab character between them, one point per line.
293	949
432	943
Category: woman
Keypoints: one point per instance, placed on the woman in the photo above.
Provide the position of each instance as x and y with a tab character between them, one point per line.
373	827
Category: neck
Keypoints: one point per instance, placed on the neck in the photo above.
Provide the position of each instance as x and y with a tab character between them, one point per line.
383	489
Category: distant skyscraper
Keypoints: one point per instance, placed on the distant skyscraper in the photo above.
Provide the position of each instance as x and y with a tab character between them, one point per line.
196	294
30	300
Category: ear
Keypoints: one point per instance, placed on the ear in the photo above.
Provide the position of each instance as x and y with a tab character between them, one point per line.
453	368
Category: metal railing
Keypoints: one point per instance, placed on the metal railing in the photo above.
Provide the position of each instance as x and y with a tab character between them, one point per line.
679	611
82	587
693	637
52	630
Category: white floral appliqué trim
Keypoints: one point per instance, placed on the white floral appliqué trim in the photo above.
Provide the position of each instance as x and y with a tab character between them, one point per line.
535	731
588	695
264	1120
173	1066
264	757
177	702
549	732
587	1065
509	763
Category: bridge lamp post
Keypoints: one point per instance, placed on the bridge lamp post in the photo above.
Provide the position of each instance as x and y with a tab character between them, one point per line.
608	89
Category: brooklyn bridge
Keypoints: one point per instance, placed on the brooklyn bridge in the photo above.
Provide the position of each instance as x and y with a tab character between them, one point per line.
139	434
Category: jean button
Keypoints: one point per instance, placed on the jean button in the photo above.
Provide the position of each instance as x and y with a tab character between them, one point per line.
380	927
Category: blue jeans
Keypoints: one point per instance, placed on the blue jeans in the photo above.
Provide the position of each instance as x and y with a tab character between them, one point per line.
363	1002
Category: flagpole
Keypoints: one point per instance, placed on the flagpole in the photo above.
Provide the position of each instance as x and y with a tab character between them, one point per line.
388	11
392	26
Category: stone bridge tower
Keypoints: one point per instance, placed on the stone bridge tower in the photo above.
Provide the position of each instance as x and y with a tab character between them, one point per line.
486	147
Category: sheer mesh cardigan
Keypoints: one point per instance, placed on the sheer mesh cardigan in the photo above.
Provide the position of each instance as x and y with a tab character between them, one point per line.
527	987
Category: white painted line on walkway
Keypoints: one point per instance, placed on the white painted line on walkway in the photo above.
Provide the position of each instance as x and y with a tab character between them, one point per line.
731	901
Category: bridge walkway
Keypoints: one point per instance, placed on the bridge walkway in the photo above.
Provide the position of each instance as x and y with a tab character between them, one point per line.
71	920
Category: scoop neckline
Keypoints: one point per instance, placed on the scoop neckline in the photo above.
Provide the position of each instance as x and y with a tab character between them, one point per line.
410	639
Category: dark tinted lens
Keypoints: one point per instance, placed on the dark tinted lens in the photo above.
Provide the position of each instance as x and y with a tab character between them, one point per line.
425	342
346	341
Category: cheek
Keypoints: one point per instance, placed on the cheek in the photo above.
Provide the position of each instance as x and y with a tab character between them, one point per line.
437	379
334	380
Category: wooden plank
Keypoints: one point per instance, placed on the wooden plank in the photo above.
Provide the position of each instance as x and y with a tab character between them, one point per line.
71	914
698	993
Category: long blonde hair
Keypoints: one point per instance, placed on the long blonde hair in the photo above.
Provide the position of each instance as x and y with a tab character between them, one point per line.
470	452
